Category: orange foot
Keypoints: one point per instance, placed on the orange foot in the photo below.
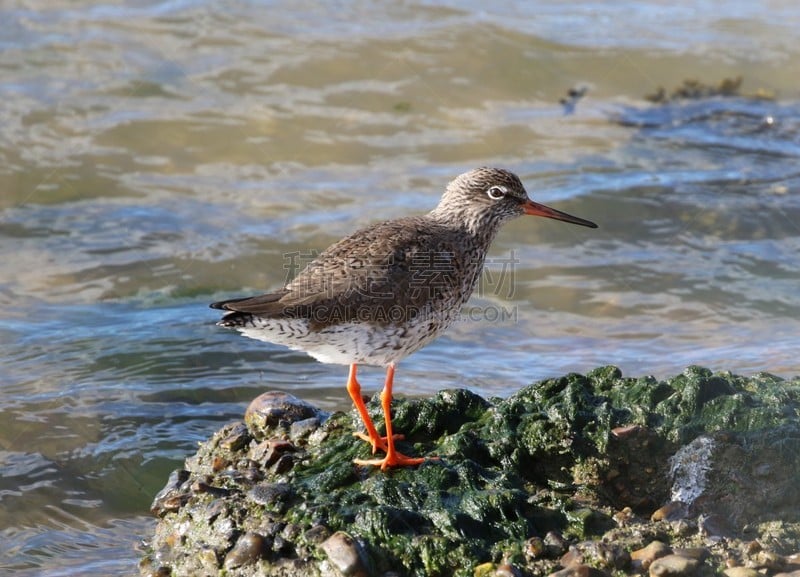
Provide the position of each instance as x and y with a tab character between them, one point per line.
394	459
378	442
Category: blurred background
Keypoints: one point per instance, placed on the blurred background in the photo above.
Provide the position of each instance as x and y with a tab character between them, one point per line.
158	155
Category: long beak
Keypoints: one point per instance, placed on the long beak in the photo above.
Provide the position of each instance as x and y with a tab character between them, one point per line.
536	209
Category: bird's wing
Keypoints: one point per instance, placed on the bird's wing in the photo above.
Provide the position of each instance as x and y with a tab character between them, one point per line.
388	272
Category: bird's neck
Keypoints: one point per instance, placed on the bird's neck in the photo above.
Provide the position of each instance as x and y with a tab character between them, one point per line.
479	227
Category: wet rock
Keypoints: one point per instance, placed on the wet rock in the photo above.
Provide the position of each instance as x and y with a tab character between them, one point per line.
174	495
555	544
249	548
597	553
673	566
571	558
644	557
741	572
236	439
698	553
275	409
275	495
569	468
793	561
770	560
715	526
672	511
317	534
343	552
579	570
302	429
535	548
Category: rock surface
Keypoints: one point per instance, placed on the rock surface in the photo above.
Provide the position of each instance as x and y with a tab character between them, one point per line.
578	475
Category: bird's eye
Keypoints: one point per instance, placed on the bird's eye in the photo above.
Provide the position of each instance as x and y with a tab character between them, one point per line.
496	192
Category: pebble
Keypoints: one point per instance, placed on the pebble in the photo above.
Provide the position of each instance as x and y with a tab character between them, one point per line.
237	438
343	553
506	570
555	544
219	463
644	557
276	409
284	464
173	496
673	566
626	431
275	494
741	572
715	527
572	557
300	429
535	548
770	560
317	534
624	517
249	548
579	570
699	553
672	511
207	559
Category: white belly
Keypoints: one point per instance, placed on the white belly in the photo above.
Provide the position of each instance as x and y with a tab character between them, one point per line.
348	343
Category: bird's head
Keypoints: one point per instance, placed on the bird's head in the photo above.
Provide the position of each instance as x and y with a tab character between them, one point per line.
485	198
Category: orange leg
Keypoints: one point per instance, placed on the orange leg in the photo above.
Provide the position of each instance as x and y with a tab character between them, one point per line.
392	458
372	436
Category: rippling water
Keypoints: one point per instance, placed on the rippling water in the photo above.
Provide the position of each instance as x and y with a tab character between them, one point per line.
155	156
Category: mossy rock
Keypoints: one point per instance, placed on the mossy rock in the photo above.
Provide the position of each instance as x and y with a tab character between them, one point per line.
561	457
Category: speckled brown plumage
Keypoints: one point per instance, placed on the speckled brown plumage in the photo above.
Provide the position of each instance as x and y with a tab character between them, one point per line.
387	290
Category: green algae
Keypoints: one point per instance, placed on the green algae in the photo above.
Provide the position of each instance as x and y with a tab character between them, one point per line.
558	456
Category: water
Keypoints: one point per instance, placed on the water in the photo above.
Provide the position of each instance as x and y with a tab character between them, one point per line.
156	156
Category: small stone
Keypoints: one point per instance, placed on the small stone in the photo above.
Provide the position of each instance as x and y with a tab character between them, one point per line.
626	431
683	528
301	429
535	548
715	527
506	570
203	487
274	409
579	570
344	554
317	534
672	511
174	495
249	548
644	557
624	517
770	560
555	544
741	572
275	494
219	463
208	560
698	553
611	555
795	573
673	566
237	438
572	557
284	464
753	547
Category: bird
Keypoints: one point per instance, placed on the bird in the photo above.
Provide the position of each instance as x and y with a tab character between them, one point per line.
387	290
